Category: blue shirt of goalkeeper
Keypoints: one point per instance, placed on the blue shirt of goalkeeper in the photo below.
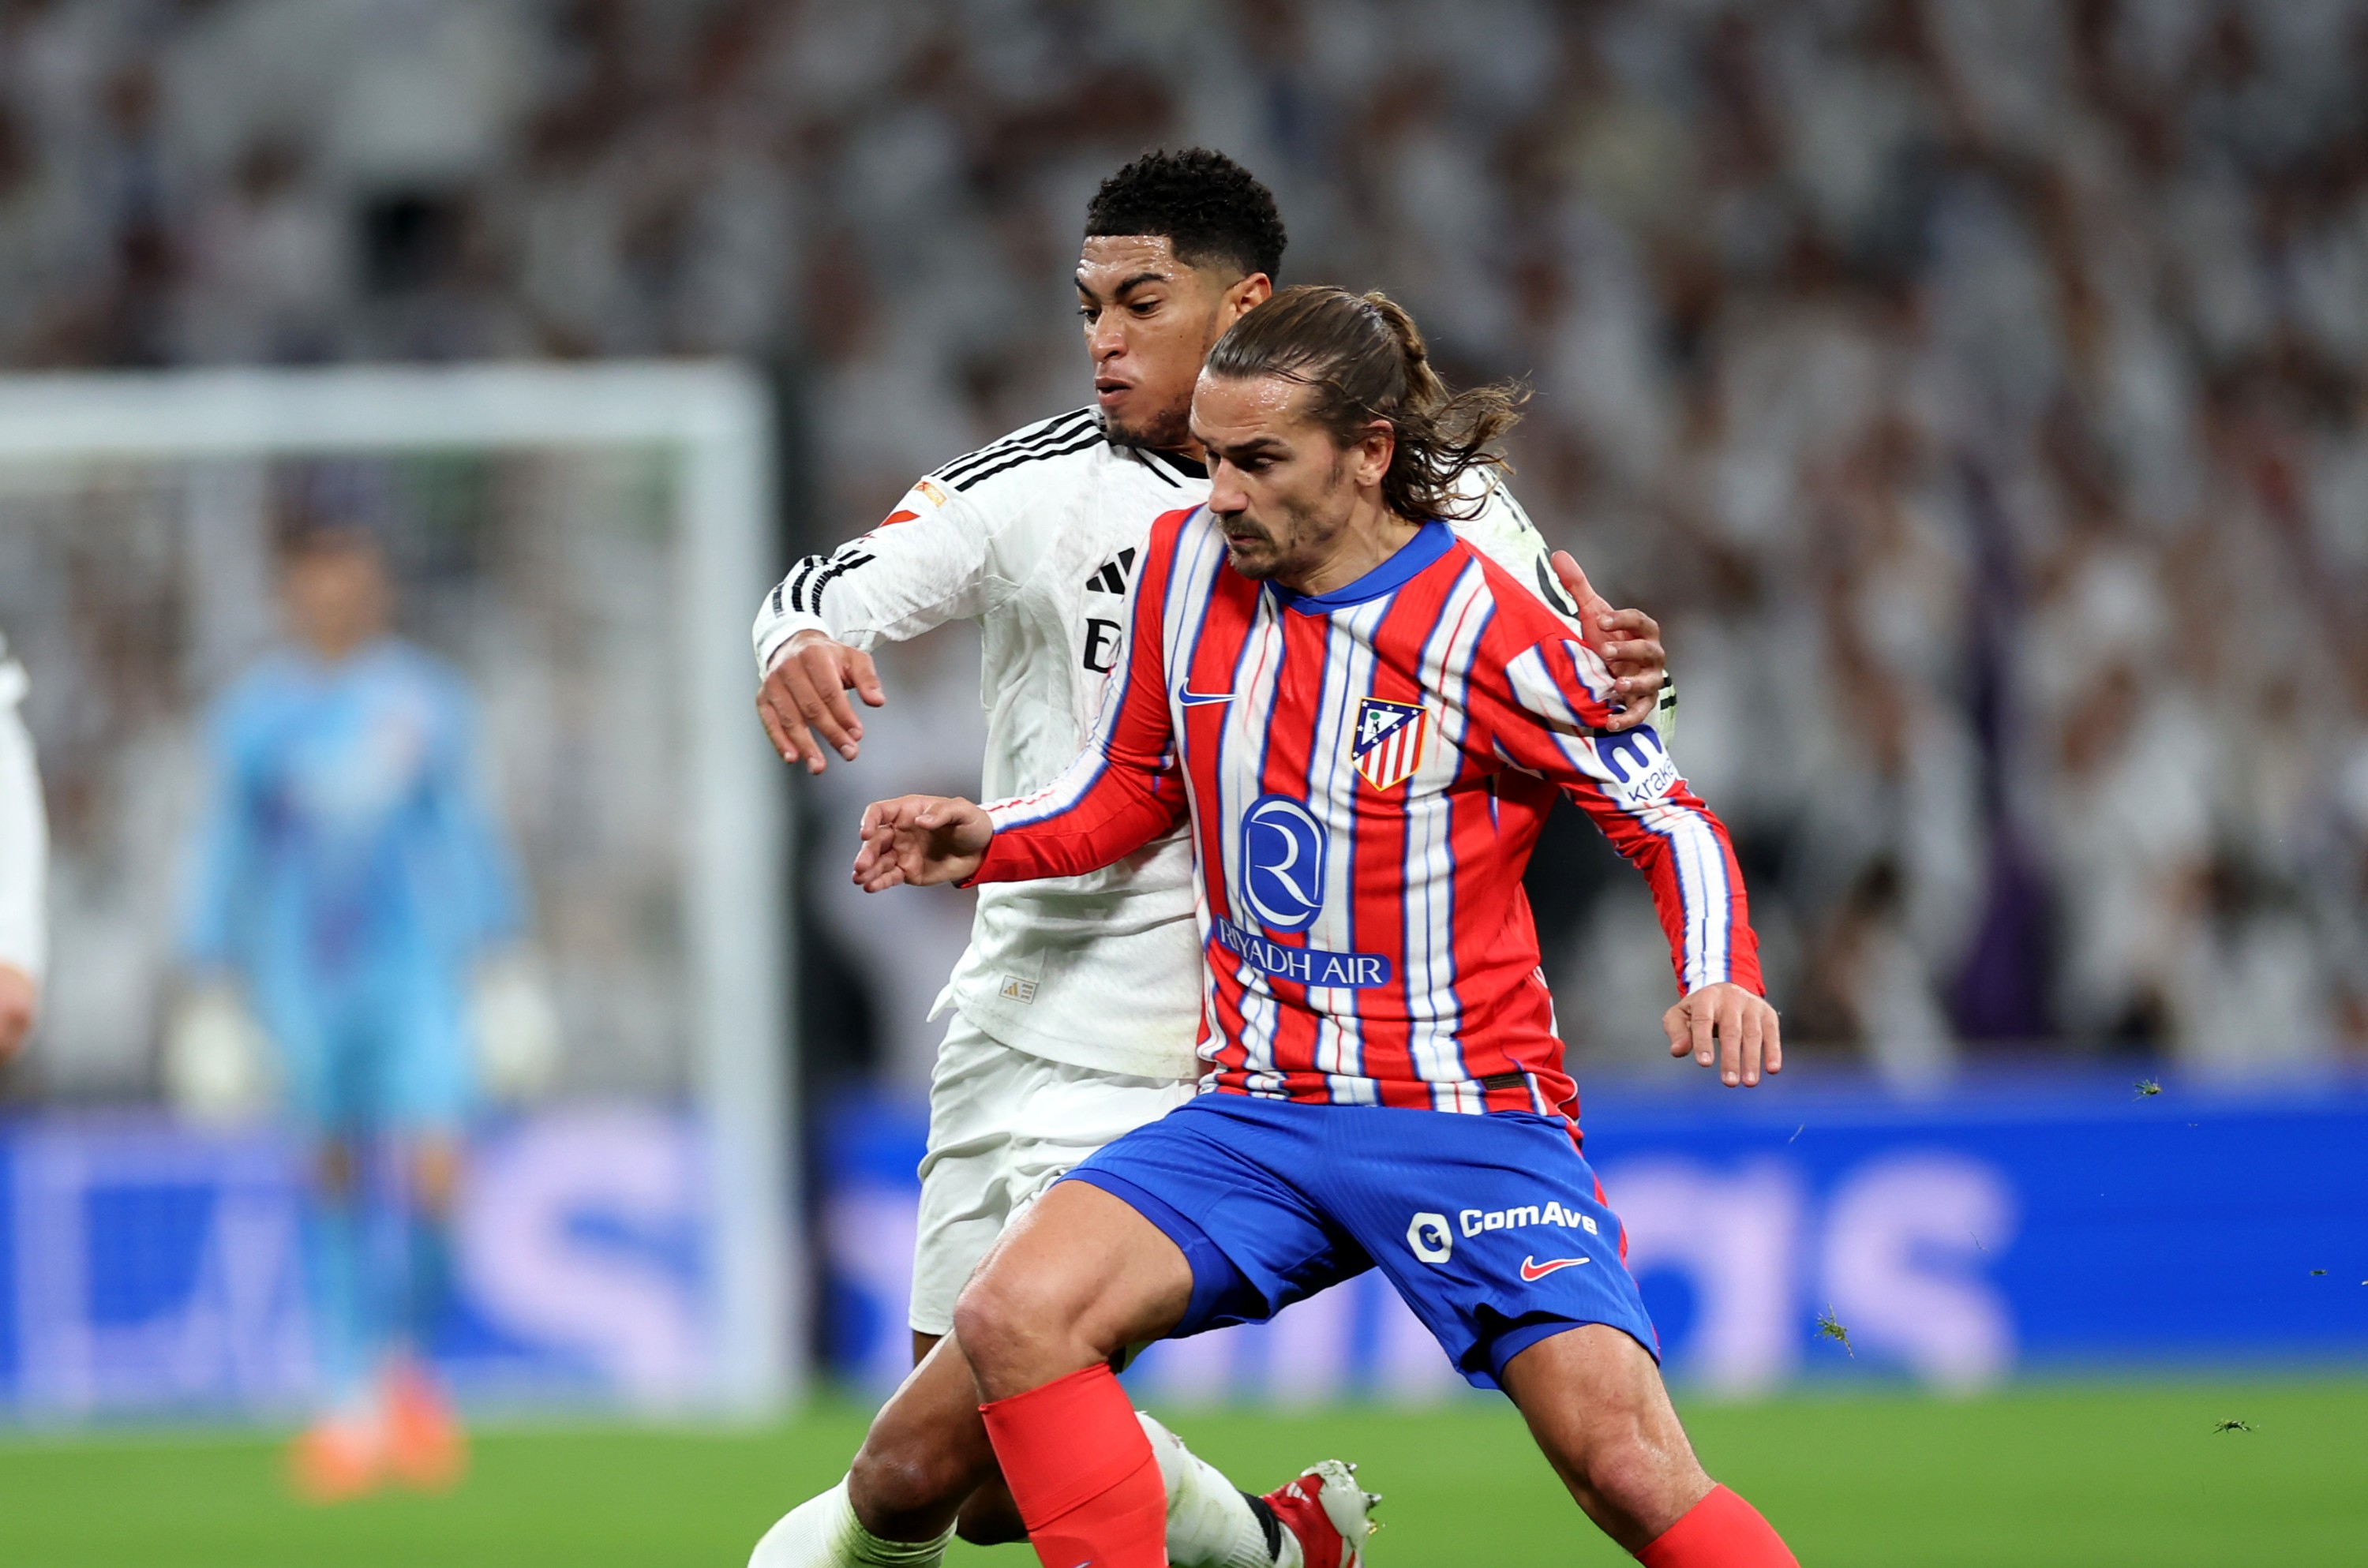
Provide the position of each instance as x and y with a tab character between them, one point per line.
348	871
348	875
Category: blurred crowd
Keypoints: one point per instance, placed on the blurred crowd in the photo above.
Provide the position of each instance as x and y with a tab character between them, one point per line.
1974	388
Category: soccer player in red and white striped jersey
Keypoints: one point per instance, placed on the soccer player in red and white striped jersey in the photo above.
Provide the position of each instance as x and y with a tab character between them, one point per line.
1374	765
1364	722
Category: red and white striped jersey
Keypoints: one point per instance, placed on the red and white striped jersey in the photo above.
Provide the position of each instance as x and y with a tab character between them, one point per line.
1365	772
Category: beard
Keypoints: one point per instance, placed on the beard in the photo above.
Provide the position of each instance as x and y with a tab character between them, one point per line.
1263	563
1168	430
1301	528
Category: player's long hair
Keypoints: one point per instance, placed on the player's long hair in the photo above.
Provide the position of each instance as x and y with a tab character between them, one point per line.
1364	359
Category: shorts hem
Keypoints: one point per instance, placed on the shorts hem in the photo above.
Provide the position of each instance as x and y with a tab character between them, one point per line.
1521	1335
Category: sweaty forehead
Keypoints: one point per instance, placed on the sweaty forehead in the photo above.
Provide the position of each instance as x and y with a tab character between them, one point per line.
1107	261
1232	411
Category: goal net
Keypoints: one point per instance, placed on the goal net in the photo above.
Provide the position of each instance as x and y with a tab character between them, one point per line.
583	545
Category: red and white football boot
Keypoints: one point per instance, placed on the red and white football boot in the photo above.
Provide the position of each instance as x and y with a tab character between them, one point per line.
1325	1514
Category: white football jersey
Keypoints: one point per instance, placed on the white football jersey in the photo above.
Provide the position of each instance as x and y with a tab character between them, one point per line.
1036	539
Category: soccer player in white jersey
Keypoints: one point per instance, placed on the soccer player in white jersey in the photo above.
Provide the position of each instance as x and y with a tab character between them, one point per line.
1076	1011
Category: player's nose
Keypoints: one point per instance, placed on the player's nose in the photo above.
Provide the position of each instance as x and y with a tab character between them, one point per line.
1107	341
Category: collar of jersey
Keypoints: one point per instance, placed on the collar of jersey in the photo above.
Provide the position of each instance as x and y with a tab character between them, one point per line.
1431	541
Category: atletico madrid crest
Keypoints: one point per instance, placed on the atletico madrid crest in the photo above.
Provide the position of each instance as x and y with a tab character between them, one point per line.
1388	741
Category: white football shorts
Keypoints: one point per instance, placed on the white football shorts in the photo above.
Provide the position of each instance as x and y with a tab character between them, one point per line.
1002	1126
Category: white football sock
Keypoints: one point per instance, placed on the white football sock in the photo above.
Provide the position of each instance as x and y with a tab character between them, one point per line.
1210	1523
823	1532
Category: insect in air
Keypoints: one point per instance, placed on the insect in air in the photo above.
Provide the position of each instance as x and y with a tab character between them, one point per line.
2148	1087
2317	1272
1830	1327
2233	1426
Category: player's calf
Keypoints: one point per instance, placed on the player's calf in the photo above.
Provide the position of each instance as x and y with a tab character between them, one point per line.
1594	1400
924	1453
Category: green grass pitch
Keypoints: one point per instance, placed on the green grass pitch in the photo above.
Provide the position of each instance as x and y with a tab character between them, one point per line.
2086	1476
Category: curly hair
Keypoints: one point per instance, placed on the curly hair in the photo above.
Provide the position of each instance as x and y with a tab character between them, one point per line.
1364	359
1208	207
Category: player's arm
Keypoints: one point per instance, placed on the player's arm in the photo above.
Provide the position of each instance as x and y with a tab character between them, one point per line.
930	562
1554	721
1629	641
1123	790
24	864
1101	809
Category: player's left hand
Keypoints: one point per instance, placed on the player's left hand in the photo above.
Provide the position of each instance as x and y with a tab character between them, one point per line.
1628	640
1747	1038
921	840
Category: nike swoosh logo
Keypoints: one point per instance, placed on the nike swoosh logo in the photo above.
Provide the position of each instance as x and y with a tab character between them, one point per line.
1195	699
1532	1269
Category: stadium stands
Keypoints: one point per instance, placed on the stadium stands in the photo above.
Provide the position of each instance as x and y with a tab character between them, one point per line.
1975	389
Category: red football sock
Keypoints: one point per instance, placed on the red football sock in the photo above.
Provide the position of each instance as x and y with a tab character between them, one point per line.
1720	1531
1082	1472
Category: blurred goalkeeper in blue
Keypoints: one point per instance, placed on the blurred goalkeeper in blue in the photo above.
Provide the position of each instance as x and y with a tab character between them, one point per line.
351	893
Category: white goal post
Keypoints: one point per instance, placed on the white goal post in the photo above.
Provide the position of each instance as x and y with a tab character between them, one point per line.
717	417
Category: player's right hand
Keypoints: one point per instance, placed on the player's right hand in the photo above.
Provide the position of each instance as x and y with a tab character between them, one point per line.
921	840
1726	1027
803	698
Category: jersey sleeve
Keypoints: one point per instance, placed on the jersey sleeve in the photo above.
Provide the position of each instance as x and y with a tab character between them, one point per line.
1499	530
1127	787
1546	711
24	834
928	561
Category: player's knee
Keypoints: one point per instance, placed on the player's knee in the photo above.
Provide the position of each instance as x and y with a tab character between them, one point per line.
1003	1314
987	1320
1642	1480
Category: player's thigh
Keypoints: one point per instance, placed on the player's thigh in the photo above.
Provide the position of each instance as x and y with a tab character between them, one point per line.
305	1054
1593	1389
420	1071
1076	1278
1073	1113
977	1097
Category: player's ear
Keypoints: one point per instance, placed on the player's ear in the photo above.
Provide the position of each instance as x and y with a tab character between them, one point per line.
1246	295
1376	445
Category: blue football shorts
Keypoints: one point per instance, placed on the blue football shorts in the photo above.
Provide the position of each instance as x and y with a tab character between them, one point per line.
384	1052
1492	1228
